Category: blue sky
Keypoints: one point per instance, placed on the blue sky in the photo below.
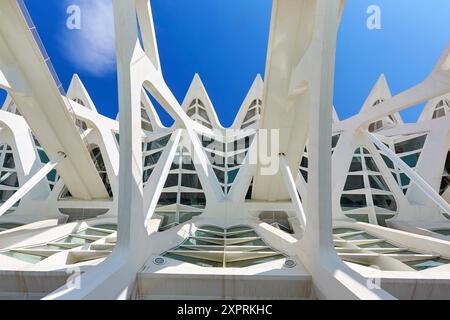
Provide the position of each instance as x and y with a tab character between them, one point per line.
225	42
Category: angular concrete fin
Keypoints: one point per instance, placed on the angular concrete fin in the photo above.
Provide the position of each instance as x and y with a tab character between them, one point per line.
380	91
335	116
78	91
148	34
443	64
430	107
255	92
441	69
198	91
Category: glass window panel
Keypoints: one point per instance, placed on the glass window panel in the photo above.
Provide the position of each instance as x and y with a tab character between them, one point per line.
382	218
248	124
43	156
220	175
152	159
146	126
304	162
410	145
203	114
412	159
9	179
168	218
186	216
388	162
250	115
191	181
353	201
237	159
188	166
335	140
360	217
304	174
354	183
385	201
240	144
167	198
193	199
158	143
5	194
438	113
9	161
144	115
147	174
52	176
370	164
356	164
190	112
395	176
172	180
405	180
216	159
377	182
232	175
200	102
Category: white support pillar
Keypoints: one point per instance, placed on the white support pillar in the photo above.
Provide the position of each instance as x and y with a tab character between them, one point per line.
33	181
414	176
332	278
292	189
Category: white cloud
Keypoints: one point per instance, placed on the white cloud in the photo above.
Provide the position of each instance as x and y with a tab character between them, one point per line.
92	47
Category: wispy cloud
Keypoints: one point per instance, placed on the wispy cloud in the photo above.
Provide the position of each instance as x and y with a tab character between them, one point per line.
92	47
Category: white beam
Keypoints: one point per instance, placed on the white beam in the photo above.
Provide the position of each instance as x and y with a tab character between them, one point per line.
33	181
414	176
292	189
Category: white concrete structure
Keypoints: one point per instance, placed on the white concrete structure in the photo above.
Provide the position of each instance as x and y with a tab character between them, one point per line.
259	210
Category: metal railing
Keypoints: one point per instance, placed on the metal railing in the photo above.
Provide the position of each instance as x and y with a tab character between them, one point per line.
37	38
46	58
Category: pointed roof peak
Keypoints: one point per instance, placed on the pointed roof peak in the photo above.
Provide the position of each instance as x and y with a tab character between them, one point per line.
78	90
196	80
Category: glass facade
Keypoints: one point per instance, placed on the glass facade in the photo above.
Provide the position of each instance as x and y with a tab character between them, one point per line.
52	176
304	162
442	109
362	248
277	219
197	112
408	149
253	114
97	157
93	237
366	196
182	197
152	150
227	158
234	247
